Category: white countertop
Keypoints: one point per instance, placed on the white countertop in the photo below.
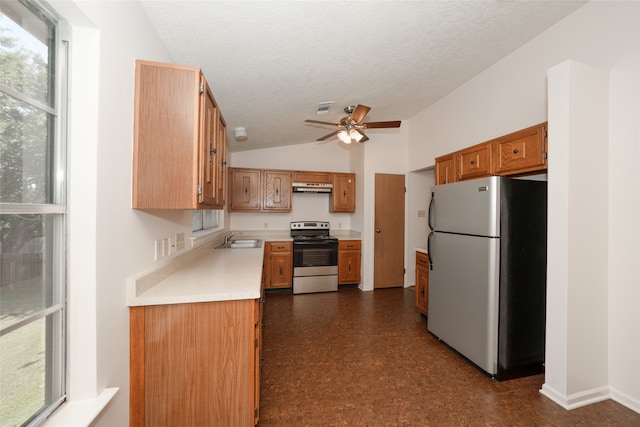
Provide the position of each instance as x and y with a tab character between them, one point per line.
208	274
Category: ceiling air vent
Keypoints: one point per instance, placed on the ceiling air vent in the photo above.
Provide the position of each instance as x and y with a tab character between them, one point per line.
323	107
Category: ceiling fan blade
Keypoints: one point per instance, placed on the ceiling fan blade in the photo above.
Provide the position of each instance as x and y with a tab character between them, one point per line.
364	137
321	123
328	135
379	125
359	113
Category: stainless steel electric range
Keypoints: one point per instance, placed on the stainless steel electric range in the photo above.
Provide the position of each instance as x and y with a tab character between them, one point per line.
315	257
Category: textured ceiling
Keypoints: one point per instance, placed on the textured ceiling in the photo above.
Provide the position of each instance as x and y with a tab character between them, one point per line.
269	63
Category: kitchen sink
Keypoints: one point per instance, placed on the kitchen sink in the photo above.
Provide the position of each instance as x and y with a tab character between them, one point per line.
241	243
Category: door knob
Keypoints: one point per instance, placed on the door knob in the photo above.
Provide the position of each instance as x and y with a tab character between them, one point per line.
377	230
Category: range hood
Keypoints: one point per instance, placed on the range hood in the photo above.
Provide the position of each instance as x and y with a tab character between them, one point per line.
309	187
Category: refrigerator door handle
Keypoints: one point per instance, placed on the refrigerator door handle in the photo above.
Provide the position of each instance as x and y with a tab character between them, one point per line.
430	209
429	251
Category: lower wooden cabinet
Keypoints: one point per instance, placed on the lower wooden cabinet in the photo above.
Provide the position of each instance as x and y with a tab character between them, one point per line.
195	364
278	265
422	282
349	261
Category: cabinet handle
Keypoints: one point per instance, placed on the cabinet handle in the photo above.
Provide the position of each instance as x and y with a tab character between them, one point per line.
281	270
349	266
515	151
422	291
377	230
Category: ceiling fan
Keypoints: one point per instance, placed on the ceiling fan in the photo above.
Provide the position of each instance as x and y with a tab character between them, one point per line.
350	129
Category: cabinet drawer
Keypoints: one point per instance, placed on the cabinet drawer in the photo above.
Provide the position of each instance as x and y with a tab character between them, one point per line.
280	246
344	245
422	260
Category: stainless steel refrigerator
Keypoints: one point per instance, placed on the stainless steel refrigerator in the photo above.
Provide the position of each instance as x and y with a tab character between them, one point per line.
487	277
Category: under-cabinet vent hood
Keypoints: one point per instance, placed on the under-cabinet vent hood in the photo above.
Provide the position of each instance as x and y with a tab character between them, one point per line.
306	187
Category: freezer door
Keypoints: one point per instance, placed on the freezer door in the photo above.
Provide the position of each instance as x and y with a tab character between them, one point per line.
463	296
467	207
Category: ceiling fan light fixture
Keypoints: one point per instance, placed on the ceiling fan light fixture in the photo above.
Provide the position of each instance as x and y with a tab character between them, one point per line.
344	136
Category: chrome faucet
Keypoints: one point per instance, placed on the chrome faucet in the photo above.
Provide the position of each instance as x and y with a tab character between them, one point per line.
228	236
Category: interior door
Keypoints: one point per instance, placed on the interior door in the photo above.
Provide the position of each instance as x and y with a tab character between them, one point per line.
388	258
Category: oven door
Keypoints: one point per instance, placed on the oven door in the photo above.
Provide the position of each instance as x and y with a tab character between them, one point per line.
315	254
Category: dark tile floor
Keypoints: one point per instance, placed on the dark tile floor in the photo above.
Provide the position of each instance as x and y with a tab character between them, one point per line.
356	358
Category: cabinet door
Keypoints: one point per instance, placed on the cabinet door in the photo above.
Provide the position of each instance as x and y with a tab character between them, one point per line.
166	136
245	190
522	151
474	162
445	170
277	191
343	195
422	282
208	149
221	165
312	177
349	262
280	265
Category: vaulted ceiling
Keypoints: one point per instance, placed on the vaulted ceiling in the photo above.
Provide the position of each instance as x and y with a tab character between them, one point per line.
270	63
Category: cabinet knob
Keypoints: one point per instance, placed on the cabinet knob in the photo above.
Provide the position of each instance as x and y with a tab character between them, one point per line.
473	162
377	230
515	151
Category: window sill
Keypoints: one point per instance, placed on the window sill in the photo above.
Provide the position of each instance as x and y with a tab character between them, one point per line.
81	413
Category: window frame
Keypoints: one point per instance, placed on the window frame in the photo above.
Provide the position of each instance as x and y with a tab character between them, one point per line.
55	205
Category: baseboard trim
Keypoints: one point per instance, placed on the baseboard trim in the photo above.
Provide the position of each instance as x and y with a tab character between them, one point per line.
576	400
625	400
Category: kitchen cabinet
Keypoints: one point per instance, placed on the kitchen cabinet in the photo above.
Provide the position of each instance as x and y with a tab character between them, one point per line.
312	177
244	189
343	194
349	261
195	364
522	151
257	190
277	191
179	140
278	265
473	162
445	169
422	282
519	153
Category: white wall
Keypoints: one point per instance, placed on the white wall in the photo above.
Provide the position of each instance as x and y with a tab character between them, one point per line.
511	95
419	185
384	154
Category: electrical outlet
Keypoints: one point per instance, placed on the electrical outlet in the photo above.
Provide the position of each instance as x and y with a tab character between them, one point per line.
179	239
422	213
158	250
165	247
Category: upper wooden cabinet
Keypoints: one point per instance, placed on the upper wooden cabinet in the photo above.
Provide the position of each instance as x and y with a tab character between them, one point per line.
522	151
276	191
473	162
244	189
445	169
343	194
312	177
519	153
257	190
179	140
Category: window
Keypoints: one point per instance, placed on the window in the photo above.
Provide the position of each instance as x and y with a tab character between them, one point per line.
204	220
32	213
